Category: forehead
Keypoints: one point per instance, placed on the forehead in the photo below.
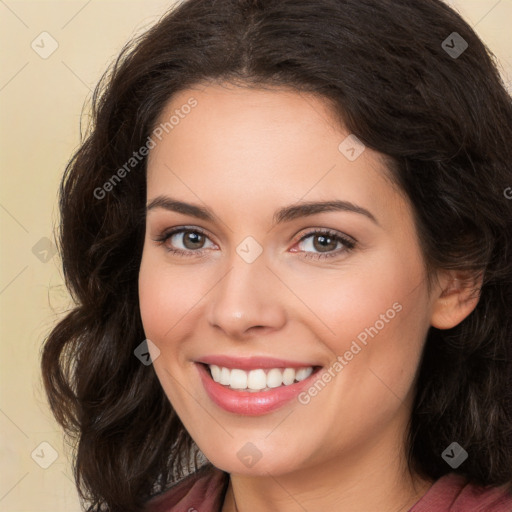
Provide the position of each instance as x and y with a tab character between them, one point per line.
249	147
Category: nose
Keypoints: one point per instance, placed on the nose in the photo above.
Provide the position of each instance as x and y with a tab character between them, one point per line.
246	301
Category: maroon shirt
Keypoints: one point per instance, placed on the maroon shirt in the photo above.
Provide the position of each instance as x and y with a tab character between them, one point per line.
204	491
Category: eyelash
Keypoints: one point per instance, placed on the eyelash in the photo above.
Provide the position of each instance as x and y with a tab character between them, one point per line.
349	243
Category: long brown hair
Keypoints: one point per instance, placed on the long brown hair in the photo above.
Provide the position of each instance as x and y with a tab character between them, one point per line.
445	122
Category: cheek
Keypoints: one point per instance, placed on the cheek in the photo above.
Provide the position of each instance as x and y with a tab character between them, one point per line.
153	303
378	318
357	299
165	296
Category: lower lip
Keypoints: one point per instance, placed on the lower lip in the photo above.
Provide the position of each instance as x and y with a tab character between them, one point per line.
250	403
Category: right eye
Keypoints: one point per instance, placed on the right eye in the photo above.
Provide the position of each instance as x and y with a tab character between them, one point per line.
191	240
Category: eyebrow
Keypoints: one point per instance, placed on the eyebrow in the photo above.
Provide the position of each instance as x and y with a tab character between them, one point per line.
286	214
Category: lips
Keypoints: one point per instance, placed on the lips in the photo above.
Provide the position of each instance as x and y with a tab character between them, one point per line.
248	371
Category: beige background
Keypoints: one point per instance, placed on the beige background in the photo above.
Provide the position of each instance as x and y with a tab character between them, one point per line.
41	102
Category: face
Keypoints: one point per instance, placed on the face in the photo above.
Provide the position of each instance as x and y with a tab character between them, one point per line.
240	281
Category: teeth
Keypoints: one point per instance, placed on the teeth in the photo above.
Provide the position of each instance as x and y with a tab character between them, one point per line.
288	376
238	379
303	373
274	378
256	380
224	376
215	372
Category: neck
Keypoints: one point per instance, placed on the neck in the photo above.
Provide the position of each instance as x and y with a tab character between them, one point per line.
377	480
360	498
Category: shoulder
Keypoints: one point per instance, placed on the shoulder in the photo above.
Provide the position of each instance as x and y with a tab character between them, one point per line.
202	491
452	493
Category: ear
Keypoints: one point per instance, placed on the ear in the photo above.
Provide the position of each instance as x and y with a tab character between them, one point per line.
457	295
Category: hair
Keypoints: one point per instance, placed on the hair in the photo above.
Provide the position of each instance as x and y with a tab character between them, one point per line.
443	122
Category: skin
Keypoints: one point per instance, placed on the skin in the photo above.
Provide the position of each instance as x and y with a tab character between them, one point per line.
244	153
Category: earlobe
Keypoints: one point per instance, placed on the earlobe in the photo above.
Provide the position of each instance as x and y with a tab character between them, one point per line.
457	296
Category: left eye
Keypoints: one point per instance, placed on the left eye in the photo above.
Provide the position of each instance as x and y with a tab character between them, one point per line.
325	243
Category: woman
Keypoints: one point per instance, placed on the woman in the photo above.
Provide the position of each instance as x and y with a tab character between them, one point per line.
288	238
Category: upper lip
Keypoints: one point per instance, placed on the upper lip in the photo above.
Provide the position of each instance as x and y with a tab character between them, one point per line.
252	363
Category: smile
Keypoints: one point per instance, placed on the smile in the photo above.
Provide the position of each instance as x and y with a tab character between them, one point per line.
259	379
260	387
